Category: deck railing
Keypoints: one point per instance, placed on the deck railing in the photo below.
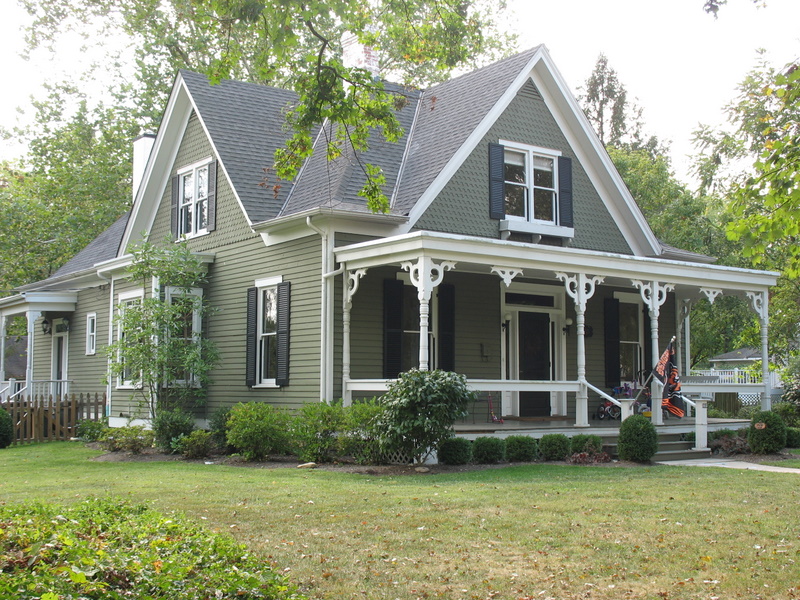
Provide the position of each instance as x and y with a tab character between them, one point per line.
14	388
738	376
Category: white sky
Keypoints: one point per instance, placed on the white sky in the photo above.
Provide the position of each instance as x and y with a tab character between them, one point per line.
678	63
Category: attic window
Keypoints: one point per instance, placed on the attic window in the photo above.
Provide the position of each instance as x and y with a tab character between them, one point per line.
530	190
194	200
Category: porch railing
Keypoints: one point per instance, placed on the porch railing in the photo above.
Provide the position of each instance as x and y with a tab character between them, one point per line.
738	376
14	388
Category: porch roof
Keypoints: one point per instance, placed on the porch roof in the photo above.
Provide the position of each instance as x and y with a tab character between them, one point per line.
479	255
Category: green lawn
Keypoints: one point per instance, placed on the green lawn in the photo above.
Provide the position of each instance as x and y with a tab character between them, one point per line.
537	531
793	463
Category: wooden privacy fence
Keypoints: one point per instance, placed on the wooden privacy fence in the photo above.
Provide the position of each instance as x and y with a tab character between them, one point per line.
44	418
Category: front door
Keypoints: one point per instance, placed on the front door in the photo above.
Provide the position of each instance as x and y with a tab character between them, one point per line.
535	361
59	363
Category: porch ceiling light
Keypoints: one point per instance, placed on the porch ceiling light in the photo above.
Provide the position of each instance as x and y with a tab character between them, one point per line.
46	327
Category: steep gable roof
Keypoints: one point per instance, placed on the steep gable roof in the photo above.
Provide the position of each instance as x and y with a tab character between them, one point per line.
245	124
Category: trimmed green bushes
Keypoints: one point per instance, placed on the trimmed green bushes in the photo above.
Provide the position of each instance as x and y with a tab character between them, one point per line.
638	440
455	451
767	433
588	443
169	425
554	446
488	450
6	429
521	448
793	437
256	430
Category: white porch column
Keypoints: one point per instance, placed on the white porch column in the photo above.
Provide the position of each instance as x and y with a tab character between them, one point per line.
686	348
351	281
31	316
701	424
425	275
760	303
654	294
580	288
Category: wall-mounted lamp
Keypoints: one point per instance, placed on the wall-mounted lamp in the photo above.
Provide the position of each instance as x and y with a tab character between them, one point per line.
47	329
506	321
567	325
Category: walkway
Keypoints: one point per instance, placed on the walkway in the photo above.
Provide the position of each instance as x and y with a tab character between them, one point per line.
728	463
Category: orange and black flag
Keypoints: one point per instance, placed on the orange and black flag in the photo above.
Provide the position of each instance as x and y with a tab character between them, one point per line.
667	372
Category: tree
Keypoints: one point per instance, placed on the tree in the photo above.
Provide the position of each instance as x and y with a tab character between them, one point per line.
73	183
159	349
298	45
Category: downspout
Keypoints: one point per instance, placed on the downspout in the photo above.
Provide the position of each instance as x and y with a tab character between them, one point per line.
2	348
326	315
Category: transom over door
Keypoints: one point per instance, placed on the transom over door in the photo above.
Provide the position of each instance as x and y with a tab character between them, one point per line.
535	361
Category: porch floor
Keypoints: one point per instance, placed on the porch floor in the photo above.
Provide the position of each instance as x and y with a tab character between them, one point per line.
604	428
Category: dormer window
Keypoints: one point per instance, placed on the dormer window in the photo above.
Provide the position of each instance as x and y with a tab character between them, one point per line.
531	190
194	200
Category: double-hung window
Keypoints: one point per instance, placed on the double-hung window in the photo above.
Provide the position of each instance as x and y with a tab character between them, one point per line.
185	328
193	199
530	190
91	334
268	333
127	301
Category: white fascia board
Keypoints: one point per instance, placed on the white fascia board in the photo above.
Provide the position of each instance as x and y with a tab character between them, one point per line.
597	163
471	143
220	163
292	227
489	252
54	301
157	172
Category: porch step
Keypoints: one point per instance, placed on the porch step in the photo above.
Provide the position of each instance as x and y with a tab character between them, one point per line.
670	447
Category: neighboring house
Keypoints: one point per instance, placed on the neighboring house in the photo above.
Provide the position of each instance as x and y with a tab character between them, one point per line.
513	253
736	359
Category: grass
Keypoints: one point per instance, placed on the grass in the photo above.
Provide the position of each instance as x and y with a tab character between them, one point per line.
792	463
539	531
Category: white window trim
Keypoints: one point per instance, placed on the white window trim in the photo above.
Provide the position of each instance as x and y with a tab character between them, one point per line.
91	336
181	173
122	298
261	285
528	224
197	323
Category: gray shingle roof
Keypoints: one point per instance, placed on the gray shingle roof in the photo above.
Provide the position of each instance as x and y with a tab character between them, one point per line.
104	247
246	125
449	113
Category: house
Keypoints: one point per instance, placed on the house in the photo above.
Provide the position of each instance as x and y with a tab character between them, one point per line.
513	253
736	359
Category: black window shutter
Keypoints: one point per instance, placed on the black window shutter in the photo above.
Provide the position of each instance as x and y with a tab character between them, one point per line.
251	335
176	183
392	328
611	329
282	376
565	191
497	183
447	327
212	196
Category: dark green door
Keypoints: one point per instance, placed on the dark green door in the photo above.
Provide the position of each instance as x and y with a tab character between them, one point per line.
534	362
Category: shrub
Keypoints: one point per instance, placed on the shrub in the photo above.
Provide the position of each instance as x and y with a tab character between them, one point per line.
218	425
789	412
638	440
554	446
6	429
90	431
793	437
256	429
455	451
315	429
359	437
131	438
488	450
521	448
197	444
169	425
109	548
772	438
583	442
690	436
718	413
419	411
747	412
721	433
